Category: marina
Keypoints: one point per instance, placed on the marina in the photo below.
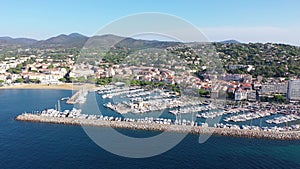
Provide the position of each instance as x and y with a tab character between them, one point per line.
154	101
191	108
284	119
74	117
181	114
249	116
54	138
216	113
129	91
138	100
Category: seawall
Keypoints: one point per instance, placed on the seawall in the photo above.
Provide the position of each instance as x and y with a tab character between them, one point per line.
295	135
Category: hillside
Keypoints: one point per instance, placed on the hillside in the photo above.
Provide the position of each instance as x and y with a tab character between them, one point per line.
9	42
269	59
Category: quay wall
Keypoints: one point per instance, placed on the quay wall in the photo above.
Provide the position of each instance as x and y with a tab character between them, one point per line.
295	135
72	99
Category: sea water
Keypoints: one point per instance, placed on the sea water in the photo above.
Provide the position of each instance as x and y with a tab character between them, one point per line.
41	145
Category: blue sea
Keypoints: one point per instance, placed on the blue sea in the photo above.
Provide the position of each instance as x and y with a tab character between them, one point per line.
39	145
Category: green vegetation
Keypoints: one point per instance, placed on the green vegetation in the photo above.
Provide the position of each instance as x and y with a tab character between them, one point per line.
19	80
50	66
230	95
269	60
279	98
203	92
81	79
33	81
104	80
30	61
16	70
116	55
63	80
139	83
71	79
276	99
163	85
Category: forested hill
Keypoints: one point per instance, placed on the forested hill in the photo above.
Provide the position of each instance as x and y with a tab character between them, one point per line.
270	60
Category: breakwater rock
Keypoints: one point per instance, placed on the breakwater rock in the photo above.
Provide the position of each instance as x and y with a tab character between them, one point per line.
288	135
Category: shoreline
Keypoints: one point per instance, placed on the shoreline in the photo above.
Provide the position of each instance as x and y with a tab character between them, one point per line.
162	127
64	86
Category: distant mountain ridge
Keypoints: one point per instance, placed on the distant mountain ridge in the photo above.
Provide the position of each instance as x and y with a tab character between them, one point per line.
231	41
8	41
71	40
78	40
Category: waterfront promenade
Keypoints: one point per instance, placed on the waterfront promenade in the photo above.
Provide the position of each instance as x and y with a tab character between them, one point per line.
142	125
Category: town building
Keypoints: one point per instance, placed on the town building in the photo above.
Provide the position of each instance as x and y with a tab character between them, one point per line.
251	95
240	95
294	90
274	88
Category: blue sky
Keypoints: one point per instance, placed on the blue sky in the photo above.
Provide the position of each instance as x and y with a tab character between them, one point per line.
244	20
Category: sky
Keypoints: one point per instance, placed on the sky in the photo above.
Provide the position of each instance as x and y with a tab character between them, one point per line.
244	20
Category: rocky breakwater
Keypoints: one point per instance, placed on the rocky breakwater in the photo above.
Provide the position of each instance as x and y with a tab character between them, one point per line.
143	125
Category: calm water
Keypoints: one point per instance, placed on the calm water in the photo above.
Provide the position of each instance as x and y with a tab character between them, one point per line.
36	145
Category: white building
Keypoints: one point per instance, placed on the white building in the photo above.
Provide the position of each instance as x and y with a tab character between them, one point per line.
267	89
44	78
3	77
240	95
2	70
50	79
294	90
81	72
274	88
251	95
110	72
281	88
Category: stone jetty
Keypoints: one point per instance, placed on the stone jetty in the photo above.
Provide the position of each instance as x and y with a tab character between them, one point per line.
140	125
78	97
72	99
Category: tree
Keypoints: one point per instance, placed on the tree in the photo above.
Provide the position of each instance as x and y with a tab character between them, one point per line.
71	79
34	81
19	80
80	79
63	80
14	70
230	95
104	80
50	66
203	92
279	98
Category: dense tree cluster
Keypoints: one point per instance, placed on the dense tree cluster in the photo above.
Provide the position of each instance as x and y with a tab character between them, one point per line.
270	60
